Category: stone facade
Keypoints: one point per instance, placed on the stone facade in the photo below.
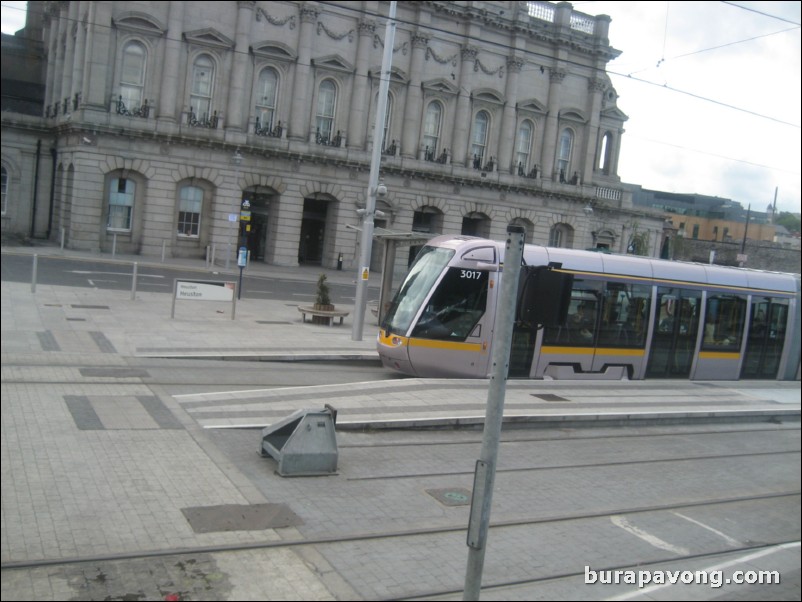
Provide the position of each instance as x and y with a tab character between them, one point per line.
161	118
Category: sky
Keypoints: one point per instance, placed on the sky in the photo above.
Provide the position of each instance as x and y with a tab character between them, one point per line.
712	92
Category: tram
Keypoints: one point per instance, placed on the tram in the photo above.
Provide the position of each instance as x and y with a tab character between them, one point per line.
619	316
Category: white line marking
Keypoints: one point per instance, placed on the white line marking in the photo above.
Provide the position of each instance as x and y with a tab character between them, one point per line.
733	542
620	521
716	567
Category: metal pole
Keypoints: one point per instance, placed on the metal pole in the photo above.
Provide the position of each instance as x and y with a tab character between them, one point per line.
375	162
486	465
33	273
114	246
746	228
133	282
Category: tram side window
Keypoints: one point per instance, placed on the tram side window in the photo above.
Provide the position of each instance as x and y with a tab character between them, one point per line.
724	322
455	307
580	327
625	315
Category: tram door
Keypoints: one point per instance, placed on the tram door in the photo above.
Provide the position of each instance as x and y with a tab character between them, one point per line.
764	345
674	335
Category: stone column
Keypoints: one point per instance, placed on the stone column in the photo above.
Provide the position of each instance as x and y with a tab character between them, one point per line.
98	51
413	109
168	107
78	60
357	118
551	134
596	88
61	27
69	55
51	20
507	142
238	96
462	120
299	128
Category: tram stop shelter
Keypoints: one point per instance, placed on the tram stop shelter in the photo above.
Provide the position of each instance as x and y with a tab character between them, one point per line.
392	240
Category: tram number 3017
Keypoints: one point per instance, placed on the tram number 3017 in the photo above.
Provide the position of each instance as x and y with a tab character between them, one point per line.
470	274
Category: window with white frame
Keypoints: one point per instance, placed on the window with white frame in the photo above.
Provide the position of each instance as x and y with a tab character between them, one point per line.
387	114
605	153
190	203
266	98
132	75
431	129
121	203
326	105
523	148
479	140
202	85
564	157
561	235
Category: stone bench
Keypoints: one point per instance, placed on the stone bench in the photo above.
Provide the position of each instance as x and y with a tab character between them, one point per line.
323	313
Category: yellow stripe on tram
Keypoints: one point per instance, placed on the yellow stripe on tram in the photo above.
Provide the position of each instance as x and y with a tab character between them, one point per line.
451	345
719	355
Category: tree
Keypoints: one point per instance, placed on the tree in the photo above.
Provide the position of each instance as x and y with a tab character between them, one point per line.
790	221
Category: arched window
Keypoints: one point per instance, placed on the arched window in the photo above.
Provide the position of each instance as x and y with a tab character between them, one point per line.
431	130
528	226
605	153
326	105
121	204
132	75
202	86
523	148
479	141
190	204
564	157
266	92
561	235
476	224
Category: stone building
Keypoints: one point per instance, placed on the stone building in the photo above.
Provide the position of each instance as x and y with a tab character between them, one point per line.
161	118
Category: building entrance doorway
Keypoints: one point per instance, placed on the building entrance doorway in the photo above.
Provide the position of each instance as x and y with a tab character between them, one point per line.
313	230
254	234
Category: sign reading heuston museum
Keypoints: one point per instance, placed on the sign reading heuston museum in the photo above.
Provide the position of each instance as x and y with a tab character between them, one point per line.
205	290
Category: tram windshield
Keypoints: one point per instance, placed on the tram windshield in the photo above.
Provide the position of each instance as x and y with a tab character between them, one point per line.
428	266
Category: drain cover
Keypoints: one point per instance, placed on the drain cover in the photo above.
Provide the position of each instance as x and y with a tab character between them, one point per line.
231	517
451	497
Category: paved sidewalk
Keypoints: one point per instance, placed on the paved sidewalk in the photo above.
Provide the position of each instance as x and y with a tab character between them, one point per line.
74	489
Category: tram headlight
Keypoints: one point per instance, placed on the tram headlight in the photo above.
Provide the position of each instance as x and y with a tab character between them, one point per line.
396	341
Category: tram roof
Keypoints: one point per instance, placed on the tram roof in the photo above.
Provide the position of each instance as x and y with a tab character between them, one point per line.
644	267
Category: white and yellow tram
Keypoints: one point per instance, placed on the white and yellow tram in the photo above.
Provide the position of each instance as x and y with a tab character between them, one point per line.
621	317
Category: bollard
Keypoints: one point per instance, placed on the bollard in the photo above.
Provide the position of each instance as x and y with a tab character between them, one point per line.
33	273
133	283
114	246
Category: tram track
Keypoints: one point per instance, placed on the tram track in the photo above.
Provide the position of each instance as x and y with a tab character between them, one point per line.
584	436
489	589
578	466
323	540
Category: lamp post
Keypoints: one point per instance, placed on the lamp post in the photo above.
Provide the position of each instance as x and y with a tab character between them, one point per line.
375	188
236	159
